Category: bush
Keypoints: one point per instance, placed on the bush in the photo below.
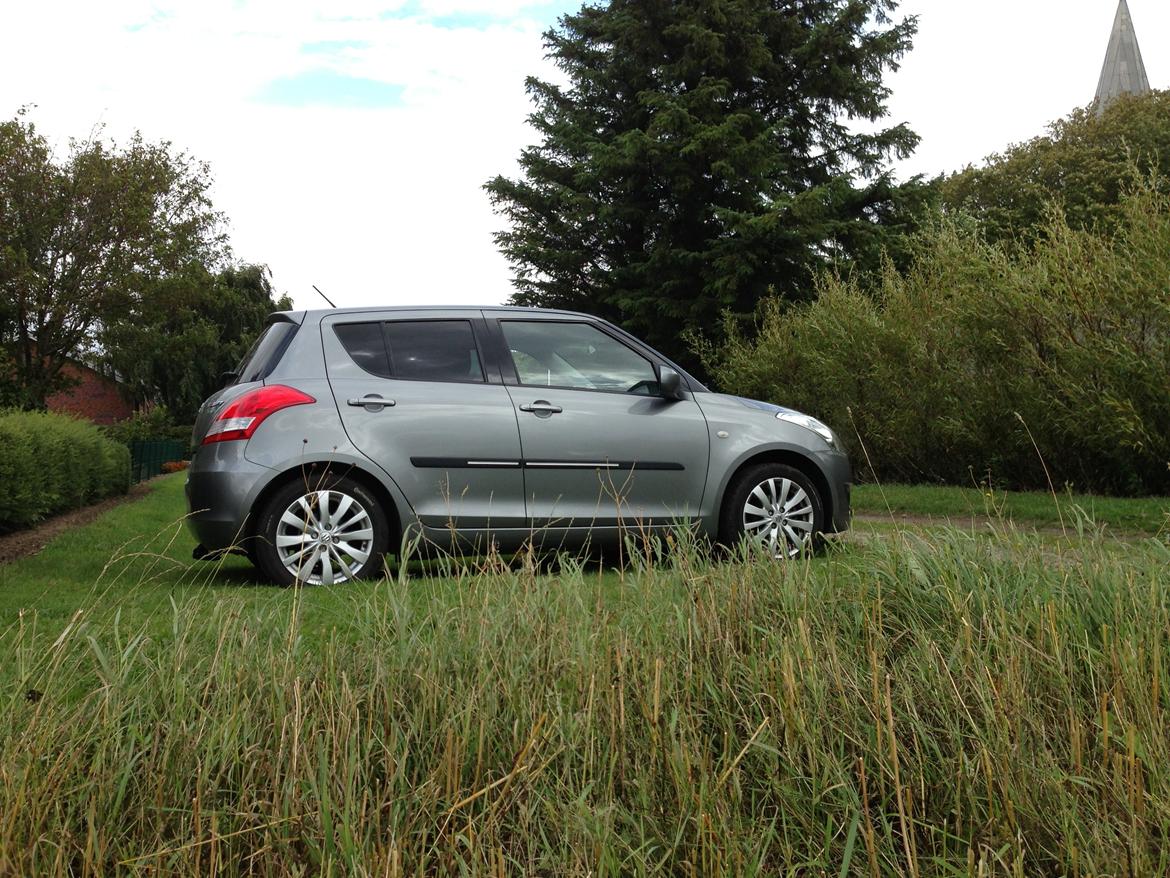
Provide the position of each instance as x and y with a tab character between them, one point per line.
153	423
985	359
149	426
52	463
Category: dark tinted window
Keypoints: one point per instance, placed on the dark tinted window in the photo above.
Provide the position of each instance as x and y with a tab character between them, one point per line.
265	352
433	350
364	342
422	350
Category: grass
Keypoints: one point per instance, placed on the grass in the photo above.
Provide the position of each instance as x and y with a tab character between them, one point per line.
959	705
1149	515
136	561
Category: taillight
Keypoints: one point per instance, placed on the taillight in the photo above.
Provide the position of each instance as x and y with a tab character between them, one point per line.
240	419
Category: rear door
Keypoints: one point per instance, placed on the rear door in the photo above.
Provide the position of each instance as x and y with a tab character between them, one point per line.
417	398
602	447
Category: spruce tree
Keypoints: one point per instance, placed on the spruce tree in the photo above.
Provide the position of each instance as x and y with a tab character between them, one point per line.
703	153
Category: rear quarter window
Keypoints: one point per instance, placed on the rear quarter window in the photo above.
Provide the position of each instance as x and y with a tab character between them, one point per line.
266	352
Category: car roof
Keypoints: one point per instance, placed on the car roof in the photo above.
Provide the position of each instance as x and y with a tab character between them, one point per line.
317	313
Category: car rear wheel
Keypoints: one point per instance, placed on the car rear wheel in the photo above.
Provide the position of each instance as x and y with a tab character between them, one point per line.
774	507
327	533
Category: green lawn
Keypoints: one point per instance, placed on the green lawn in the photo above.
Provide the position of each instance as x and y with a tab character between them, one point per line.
919	702
1148	515
140	553
136	562
138	556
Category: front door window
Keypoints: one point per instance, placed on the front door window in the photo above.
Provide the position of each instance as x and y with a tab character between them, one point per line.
577	356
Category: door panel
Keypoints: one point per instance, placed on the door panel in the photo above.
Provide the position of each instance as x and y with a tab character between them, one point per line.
600	457
608	458
452	446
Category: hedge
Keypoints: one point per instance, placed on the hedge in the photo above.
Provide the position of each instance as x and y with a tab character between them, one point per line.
52	463
989	362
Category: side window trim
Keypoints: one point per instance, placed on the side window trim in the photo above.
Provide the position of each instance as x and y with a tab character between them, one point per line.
490	352
511	375
502	355
389	350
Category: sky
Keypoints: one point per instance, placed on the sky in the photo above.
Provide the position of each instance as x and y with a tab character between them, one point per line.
349	139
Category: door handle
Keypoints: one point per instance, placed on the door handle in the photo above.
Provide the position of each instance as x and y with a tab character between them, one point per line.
542	408
370	402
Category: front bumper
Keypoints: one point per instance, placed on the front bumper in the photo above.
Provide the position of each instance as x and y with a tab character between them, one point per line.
221	487
839	474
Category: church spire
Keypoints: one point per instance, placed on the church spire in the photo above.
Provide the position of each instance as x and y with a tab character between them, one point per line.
1124	72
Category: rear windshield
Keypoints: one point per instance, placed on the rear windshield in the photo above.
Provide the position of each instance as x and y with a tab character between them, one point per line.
265	352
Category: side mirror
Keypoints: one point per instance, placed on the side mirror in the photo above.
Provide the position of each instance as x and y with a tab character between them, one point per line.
670	383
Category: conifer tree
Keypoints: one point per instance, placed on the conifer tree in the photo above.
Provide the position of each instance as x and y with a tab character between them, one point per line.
701	153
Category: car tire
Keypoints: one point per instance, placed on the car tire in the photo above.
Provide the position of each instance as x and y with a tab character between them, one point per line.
330	532
775	506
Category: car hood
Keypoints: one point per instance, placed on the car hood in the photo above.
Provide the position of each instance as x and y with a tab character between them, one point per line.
758	405
729	402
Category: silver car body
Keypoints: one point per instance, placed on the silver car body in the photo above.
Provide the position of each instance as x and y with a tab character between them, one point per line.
462	464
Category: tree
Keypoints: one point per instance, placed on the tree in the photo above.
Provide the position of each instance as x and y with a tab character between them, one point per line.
1034	366
1084	162
174	344
81	238
702	154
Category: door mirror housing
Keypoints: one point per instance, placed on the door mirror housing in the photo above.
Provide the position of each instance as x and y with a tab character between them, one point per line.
670	383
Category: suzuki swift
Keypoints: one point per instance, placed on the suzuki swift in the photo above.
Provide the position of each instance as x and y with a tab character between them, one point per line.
348	433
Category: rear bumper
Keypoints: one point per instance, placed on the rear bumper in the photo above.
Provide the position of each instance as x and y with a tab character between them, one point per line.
221	486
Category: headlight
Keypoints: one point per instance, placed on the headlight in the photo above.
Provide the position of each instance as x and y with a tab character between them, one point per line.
809	424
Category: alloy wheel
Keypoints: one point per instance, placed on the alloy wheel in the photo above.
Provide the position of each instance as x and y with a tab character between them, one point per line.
778	516
325	538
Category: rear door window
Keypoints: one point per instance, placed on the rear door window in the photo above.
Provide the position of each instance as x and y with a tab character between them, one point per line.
415	350
366	345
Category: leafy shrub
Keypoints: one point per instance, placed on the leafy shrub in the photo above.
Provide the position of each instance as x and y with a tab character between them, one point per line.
154	423
175	466
52	463
989	359
148	426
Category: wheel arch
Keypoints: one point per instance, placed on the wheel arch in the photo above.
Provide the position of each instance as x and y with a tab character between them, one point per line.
315	470
791	458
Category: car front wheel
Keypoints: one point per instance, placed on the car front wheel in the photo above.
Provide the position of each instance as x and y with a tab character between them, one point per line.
775	507
326	533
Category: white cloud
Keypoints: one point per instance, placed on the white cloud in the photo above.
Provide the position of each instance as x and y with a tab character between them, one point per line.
386	205
373	205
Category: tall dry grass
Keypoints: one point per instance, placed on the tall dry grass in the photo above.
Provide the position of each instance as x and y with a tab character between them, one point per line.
965	706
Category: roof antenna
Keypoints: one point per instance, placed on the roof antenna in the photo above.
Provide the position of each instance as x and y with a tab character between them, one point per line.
323	296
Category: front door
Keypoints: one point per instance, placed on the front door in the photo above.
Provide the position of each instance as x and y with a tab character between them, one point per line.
416	398
601	446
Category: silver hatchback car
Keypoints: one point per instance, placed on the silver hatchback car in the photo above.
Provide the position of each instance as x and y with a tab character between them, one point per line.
347	433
